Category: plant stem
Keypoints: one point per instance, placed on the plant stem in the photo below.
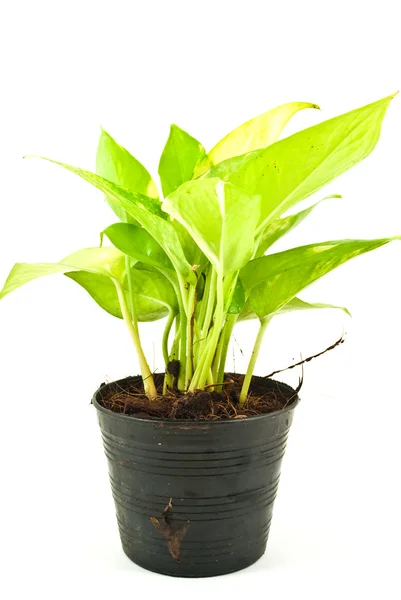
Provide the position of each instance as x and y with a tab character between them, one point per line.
148	382
190	311
255	352
183	304
166	333
131	301
248	376
205	324
227	332
203	303
217	357
206	358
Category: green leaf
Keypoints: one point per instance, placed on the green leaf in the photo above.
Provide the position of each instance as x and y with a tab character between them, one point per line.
152	285
238	300
294	168
252	135
280	227
220	217
272	281
294	304
146	211
105	261
181	154
298	304
116	164
139	244
101	288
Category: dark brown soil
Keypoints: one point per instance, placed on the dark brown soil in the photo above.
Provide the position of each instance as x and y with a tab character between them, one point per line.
265	395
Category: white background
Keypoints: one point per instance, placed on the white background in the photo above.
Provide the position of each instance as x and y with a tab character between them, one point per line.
135	67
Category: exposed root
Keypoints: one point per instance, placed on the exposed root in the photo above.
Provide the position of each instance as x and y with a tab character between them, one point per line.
305	360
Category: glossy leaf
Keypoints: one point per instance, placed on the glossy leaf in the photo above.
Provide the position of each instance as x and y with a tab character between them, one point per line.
101	261
146	212
252	135
238	299
101	288
294	168
181	154
272	281
294	304
152	285
280	227
139	244
116	164
220	217
103	291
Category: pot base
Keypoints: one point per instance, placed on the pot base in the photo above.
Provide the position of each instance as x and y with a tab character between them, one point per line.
192	570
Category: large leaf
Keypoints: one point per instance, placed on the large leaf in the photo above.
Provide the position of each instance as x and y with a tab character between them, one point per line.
105	261
271	281
139	244
115	163
296	167
294	304
101	288
220	217
252	135
153	286
181	154
104	292
147	212
280	227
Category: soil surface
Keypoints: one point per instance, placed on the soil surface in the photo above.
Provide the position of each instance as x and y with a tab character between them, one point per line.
265	395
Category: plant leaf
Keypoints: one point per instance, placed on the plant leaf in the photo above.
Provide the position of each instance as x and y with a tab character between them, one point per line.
252	135
103	291
152	285
272	281
220	217
146	212
294	304
101	288
104	261
116	164
180	156
139	244
298	304
238	300
294	168
280	227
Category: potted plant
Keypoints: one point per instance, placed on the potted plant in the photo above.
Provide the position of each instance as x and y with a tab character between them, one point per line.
195	453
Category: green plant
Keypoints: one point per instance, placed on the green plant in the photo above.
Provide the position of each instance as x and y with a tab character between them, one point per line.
198	257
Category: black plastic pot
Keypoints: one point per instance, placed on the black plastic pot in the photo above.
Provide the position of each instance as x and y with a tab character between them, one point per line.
194	498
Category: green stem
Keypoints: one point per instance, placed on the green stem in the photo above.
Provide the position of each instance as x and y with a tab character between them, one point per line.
131	302
169	323
227	332
148	382
190	312
256	349
205	323
205	297
206	358
217	356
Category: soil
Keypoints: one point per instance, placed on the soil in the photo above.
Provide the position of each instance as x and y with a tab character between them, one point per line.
265	395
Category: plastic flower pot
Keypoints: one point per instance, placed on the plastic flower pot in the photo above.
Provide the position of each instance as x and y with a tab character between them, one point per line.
194	498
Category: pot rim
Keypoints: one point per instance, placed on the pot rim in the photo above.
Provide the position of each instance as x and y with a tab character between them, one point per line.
213	422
